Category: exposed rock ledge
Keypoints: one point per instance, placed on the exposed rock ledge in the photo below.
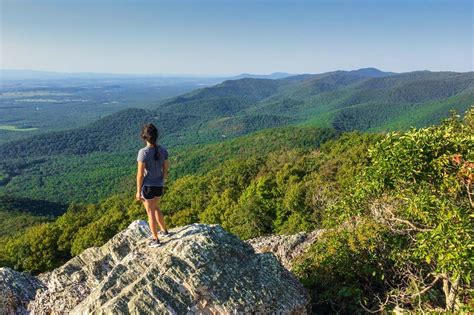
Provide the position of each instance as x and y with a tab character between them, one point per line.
285	247
199	269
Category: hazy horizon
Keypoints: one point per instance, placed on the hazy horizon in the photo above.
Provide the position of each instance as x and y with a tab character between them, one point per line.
203	75
225	38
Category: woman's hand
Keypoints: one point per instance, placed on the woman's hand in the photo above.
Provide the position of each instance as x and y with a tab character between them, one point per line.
138	197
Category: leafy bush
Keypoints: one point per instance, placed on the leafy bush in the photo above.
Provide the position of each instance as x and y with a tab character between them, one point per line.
416	192
345	267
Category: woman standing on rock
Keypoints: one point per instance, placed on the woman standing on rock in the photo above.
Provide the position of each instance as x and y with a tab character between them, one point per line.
151	176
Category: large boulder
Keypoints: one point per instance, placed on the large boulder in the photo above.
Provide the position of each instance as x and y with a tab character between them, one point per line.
198	269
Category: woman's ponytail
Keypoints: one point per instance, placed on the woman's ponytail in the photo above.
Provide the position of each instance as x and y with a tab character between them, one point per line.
156	156
150	134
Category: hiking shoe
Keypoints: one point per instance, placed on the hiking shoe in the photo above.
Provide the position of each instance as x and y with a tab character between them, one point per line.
164	233
154	243
160	233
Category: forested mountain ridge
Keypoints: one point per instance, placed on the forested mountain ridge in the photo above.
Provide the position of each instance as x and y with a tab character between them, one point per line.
365	99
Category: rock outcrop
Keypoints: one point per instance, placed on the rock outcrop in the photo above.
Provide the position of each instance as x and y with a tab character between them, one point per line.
285	247
198	269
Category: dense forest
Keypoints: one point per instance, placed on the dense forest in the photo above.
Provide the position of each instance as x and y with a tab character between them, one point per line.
94	176
91	162
396	210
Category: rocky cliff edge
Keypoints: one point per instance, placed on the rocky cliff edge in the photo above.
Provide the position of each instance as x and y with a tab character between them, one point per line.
198	269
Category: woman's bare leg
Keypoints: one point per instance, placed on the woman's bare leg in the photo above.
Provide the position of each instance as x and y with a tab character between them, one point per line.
159	215
150	207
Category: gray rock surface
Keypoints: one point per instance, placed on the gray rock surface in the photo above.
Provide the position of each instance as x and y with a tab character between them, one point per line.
16	291
198	269
285	247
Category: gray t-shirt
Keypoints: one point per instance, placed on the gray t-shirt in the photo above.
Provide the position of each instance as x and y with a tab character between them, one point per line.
153	168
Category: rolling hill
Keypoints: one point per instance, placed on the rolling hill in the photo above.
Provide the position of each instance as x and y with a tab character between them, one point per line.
364	99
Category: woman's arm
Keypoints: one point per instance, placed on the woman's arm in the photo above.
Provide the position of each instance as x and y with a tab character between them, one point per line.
166	166
140	172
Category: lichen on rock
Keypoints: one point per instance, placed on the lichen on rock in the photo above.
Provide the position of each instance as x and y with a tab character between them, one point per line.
16	291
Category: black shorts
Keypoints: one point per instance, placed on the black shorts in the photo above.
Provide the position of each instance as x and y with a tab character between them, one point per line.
150	192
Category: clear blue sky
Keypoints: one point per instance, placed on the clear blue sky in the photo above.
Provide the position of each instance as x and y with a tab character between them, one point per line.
230	37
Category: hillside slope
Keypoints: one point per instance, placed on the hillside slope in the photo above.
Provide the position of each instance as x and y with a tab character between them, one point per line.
94	176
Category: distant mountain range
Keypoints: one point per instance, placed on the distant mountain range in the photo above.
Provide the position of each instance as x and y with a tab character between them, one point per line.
6	74
274	75
365	99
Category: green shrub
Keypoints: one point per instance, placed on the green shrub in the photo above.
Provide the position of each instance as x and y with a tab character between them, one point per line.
416	192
